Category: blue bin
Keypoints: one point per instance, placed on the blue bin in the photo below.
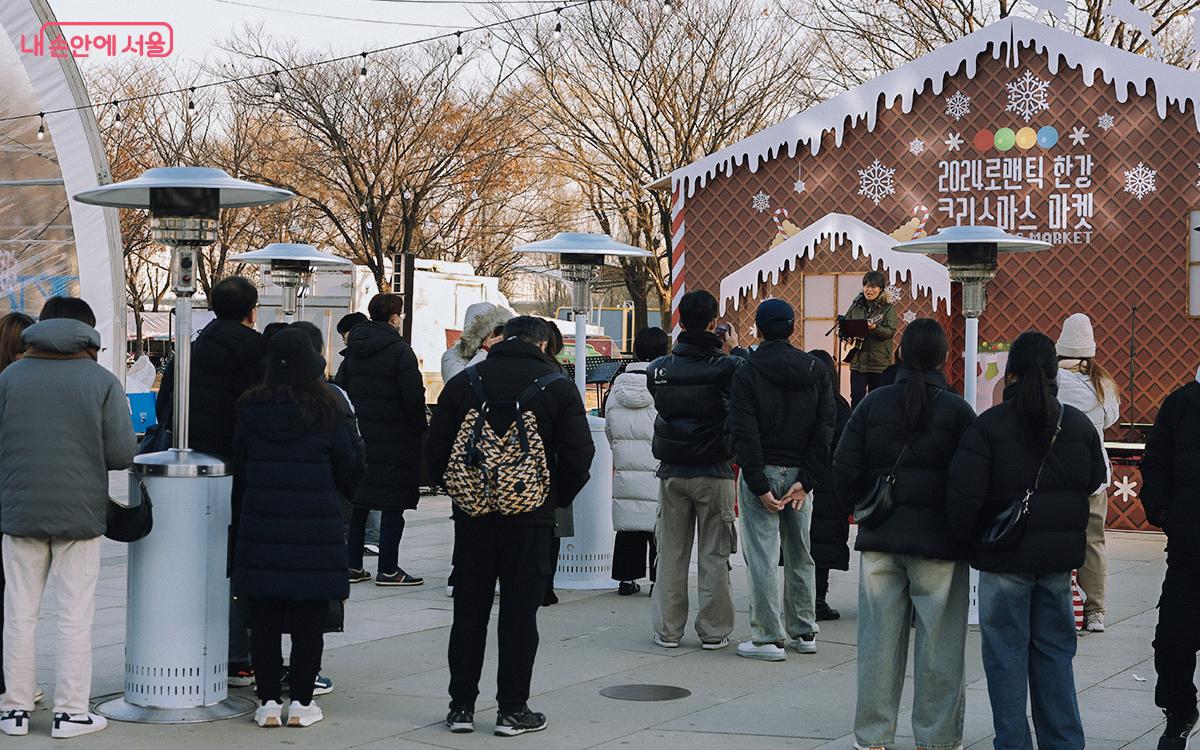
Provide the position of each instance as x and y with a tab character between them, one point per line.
141	411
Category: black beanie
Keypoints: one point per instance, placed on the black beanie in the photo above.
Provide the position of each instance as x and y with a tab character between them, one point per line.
291	359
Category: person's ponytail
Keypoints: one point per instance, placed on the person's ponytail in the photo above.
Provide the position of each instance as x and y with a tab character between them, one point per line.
1034	362
923	349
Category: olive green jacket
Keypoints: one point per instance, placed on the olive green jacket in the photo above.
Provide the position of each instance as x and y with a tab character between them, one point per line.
875	353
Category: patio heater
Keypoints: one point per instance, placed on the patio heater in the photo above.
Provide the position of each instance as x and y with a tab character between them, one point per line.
291	266
586	558
972	256
177	617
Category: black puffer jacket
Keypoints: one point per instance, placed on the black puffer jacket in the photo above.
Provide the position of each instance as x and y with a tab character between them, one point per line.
228	359
870	447
381	375
997	462
1170	473
290	541
691	394
781	413
511	367
830	512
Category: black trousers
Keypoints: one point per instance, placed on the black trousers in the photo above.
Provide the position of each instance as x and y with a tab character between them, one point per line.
1177	638
862	383
269	620
519	556
630	560
822	582
391	531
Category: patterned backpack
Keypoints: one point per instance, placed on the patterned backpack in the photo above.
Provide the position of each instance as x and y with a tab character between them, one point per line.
506	473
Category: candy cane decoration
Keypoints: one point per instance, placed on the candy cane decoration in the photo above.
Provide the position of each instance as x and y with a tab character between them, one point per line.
779	222
921	212
1077	597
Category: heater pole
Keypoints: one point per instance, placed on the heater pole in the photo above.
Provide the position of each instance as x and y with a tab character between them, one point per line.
971	362
581	344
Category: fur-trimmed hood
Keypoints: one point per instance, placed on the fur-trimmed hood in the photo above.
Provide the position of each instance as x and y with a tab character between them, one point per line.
480	319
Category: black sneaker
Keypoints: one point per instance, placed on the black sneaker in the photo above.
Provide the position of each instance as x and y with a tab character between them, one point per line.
399	578
359	575
1179	730
628	588
522	721
826	612
461	720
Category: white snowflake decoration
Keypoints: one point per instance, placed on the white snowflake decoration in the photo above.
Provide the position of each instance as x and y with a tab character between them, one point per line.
1027	96
1140	181
1198	167
908	316
953	142
9	269
799	185
916	147
1125	489
760	202
893	293
1105	122
958	106
876	182
1079	135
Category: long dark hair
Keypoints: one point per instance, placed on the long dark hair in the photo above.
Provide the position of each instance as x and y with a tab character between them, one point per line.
1033	361
315	402
12	347
923	349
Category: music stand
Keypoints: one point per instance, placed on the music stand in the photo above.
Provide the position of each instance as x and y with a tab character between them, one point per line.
849	330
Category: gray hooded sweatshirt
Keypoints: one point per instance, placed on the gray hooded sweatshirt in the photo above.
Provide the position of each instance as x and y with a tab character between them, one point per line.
64	424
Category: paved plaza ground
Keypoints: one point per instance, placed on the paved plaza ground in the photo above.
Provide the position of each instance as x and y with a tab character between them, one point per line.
390	670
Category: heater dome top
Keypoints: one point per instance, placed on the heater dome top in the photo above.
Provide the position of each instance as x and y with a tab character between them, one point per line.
293	252
135	193
583	243
972	235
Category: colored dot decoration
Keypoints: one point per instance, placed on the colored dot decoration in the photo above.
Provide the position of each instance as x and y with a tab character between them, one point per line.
1047	136
984	140
1026	137
1005	139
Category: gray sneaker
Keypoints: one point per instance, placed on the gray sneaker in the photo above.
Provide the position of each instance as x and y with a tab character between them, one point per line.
805	644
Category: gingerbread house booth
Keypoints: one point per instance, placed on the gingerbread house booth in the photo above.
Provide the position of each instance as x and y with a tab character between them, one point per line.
1020	126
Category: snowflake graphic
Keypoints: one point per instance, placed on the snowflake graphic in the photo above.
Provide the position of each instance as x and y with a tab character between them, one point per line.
893	293
1140	181
1105	122
958	106
799	186
1079	135
876	182
953	141
1198	167
760	202
908	316
1125	489
916	147
8	270
1027	96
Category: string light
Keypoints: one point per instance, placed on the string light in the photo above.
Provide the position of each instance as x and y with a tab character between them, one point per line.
667	6
459	50
192	99
41	134
117	119
362	72
277	94
558	24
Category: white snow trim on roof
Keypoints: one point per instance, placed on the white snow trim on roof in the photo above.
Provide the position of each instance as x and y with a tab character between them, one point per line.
923	272
1118	68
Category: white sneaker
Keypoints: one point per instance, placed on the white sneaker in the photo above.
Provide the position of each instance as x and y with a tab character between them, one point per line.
660	641
715	645
805	644
14	723
76	725
765	652
1094	623
449	591
300	715
269	714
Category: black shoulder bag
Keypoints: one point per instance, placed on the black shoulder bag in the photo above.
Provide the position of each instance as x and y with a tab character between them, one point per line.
130	523
1007	529
874	507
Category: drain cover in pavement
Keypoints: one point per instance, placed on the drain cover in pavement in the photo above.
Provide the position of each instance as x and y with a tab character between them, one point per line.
645	692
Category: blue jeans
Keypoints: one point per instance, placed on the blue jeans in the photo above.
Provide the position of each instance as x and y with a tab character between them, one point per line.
762	533
1029	642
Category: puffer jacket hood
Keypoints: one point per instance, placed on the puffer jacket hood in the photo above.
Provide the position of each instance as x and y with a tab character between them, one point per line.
629	389
785	366
61	336
223	349
369	339
481	318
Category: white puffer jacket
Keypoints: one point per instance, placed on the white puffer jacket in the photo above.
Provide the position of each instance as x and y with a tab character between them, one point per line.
629	423
1075	389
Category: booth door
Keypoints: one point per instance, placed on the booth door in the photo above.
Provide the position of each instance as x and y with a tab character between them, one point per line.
825	297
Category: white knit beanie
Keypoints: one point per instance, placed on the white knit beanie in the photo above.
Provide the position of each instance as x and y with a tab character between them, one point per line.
1077	339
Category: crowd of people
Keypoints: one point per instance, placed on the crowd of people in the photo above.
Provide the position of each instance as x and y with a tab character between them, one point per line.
713	444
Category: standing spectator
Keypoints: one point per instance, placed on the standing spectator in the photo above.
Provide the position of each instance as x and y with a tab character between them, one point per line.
1032	448
874	353
294	453
371	534
347	323
513	548
1171	497
911	563
381	375
12	348
64	424
1084	384
830	513
629	423
483	327
696	488
228	359
782	417
564	518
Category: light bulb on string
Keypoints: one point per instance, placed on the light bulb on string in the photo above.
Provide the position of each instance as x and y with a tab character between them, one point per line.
117	119
277	94
41	133
459	50
557	24
192	98
408	195
667	6
362	72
